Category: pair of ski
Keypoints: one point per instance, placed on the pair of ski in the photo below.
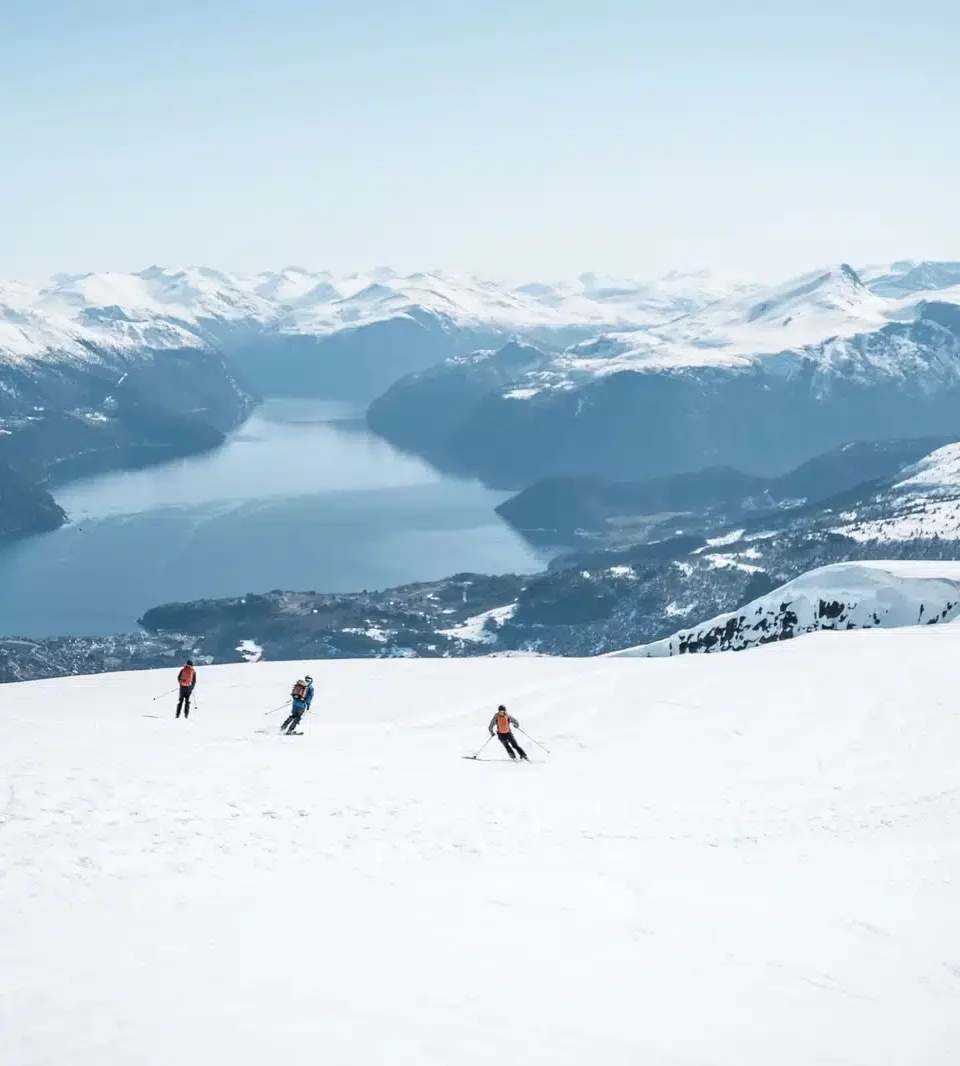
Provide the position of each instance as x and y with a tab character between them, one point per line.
476	756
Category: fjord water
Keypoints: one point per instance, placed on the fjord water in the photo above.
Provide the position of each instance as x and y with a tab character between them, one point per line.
301	496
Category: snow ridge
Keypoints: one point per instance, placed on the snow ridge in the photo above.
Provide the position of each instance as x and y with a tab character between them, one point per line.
862	595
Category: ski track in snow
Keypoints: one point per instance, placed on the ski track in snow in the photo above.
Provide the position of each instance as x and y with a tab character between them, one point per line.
726	861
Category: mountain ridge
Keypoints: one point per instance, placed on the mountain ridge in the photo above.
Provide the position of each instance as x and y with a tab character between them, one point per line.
668	399
842	596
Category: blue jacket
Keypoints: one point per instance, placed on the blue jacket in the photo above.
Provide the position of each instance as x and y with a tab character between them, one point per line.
304	704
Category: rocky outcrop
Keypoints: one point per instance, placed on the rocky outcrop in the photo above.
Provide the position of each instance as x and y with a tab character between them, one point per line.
840	597
25	508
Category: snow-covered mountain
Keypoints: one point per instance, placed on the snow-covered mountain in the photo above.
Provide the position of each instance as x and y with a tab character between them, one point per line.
594	375
862	595
81	316
812	318
763	843
923	504
161	307
108	371
762	382
316	333
169	307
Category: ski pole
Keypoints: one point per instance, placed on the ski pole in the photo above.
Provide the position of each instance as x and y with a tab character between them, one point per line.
162	695
275	709
534	739
484	744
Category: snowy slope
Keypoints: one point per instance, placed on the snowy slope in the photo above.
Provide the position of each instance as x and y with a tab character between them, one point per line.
860	595
802	311
69	322
725	861
924	504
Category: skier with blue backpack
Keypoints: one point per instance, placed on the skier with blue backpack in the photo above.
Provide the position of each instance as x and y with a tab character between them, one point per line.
302	697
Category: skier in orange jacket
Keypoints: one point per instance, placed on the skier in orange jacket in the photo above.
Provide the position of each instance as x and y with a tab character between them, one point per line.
187	679
503	724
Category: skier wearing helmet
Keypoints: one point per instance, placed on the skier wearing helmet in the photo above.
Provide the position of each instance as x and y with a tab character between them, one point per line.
302	696
503	723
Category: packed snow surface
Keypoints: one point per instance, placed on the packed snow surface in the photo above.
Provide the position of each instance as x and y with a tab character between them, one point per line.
731	860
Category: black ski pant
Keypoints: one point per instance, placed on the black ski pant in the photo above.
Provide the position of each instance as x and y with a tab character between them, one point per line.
509	741
293	720
183	704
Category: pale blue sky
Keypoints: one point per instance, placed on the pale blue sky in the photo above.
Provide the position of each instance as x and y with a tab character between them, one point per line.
522	139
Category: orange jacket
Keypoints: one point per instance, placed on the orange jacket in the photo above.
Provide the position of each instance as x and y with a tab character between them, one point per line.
502	722
187	677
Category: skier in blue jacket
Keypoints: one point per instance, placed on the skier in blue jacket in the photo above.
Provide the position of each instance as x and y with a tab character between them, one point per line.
302	696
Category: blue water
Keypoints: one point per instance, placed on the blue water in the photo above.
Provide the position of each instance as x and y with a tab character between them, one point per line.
300	497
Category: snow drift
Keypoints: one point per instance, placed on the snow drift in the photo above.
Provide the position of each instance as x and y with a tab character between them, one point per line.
862	595
733	860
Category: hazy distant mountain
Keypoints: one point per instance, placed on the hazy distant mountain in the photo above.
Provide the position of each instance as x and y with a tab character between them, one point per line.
161	307
317	333
906	278
760	381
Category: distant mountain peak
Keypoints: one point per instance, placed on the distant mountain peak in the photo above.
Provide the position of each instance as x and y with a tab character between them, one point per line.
851	275
685	315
